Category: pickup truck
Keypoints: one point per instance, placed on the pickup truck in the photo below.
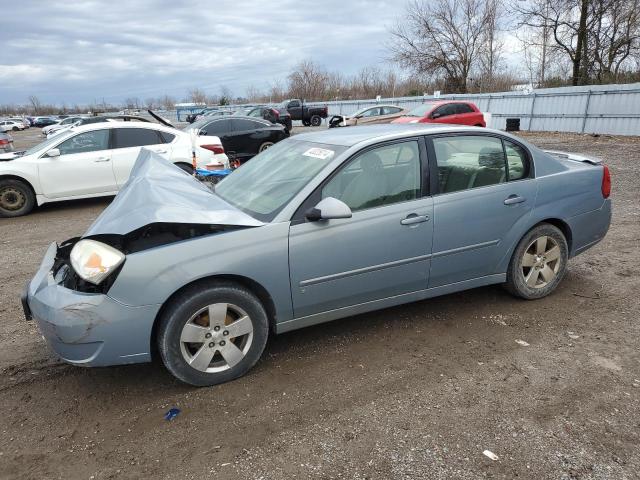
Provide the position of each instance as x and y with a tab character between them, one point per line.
299	111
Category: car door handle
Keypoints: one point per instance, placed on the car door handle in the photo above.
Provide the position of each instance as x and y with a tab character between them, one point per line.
413	219
160	151
513	199
102	159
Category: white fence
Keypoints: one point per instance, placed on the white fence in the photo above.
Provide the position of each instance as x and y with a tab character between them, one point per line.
612	109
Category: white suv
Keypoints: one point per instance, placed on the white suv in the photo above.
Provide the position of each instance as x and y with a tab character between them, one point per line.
93	160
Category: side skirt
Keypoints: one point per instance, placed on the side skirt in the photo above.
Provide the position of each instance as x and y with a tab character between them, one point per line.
338	313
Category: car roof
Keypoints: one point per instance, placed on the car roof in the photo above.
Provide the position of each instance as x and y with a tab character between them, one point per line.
118	124
350	136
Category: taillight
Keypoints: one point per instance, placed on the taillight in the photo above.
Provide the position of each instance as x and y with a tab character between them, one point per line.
606	182
276	113
215	148
4	142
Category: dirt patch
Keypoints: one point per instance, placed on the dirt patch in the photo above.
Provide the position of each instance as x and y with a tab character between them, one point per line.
417	391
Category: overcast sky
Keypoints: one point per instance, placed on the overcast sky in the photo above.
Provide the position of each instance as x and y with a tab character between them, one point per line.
85	50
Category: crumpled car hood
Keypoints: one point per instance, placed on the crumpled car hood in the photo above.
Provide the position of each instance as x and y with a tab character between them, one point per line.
159	192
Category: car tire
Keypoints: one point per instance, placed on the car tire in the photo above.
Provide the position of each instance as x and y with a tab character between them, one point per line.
265	146
210	359
186	167
15	129
538	263
316	121
16	198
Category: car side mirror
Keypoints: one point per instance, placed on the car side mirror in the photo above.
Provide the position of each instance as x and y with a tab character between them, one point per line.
54	152
328	209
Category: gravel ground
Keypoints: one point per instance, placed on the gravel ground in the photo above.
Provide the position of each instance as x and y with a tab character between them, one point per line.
418	391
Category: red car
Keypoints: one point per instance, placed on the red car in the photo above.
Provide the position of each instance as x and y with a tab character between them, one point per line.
445	111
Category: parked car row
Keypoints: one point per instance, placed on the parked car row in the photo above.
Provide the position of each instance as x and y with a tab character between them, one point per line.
436	111
93	160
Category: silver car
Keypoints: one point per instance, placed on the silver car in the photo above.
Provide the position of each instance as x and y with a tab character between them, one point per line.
319	227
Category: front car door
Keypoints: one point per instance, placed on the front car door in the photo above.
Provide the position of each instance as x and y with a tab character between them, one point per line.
383	250
443	114
83	167
126	148
368	116
485	192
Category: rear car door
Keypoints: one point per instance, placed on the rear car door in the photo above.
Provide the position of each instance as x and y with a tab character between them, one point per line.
481	207
126	148
383	250
221	128
83	167
294	107
467	115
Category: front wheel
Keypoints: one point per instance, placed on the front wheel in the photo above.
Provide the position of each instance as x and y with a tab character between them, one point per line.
539	263
316	121
16	198
212	333
264	146
15	129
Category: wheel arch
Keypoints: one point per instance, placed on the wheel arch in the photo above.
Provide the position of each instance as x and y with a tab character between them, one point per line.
563	227
254	287
20	179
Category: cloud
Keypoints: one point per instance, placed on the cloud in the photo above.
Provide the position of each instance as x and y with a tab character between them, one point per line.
85	50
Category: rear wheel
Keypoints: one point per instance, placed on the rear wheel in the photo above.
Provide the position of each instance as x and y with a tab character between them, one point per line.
16	198
212	333
15	129
539	263
265	145
316	121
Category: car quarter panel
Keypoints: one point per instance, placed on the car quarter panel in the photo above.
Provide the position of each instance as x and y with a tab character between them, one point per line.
256	253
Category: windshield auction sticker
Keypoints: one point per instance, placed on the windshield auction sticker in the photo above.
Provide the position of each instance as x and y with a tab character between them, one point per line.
320	153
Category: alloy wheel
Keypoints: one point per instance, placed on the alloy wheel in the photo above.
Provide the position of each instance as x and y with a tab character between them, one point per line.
216	338
541	262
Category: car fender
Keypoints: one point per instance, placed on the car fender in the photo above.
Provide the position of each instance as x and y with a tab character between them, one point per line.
25	172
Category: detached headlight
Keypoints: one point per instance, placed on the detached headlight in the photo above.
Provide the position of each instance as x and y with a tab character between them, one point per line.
95	261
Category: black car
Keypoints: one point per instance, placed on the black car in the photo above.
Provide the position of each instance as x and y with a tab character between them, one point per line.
274	115
43	122
242	137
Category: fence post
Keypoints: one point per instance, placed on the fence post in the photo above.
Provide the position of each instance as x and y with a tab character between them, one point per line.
533	104
586	111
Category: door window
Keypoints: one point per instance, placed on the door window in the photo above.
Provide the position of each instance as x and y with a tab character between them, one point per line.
517	163
294	103
218	128
468	162
166	137
390	110
380	176
86	142
463	108
444	111
136	137
372	112
240	125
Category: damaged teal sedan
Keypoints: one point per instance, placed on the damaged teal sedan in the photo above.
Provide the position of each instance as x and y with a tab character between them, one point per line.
319	227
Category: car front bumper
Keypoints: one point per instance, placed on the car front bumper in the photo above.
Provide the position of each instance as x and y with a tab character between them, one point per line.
88	329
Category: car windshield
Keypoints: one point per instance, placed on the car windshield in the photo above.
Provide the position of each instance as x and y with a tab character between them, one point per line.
422	110
266	184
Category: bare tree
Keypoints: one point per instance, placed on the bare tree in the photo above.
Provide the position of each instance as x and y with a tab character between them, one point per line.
197	95
167	102
35	104
226	96
308	81
442	39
